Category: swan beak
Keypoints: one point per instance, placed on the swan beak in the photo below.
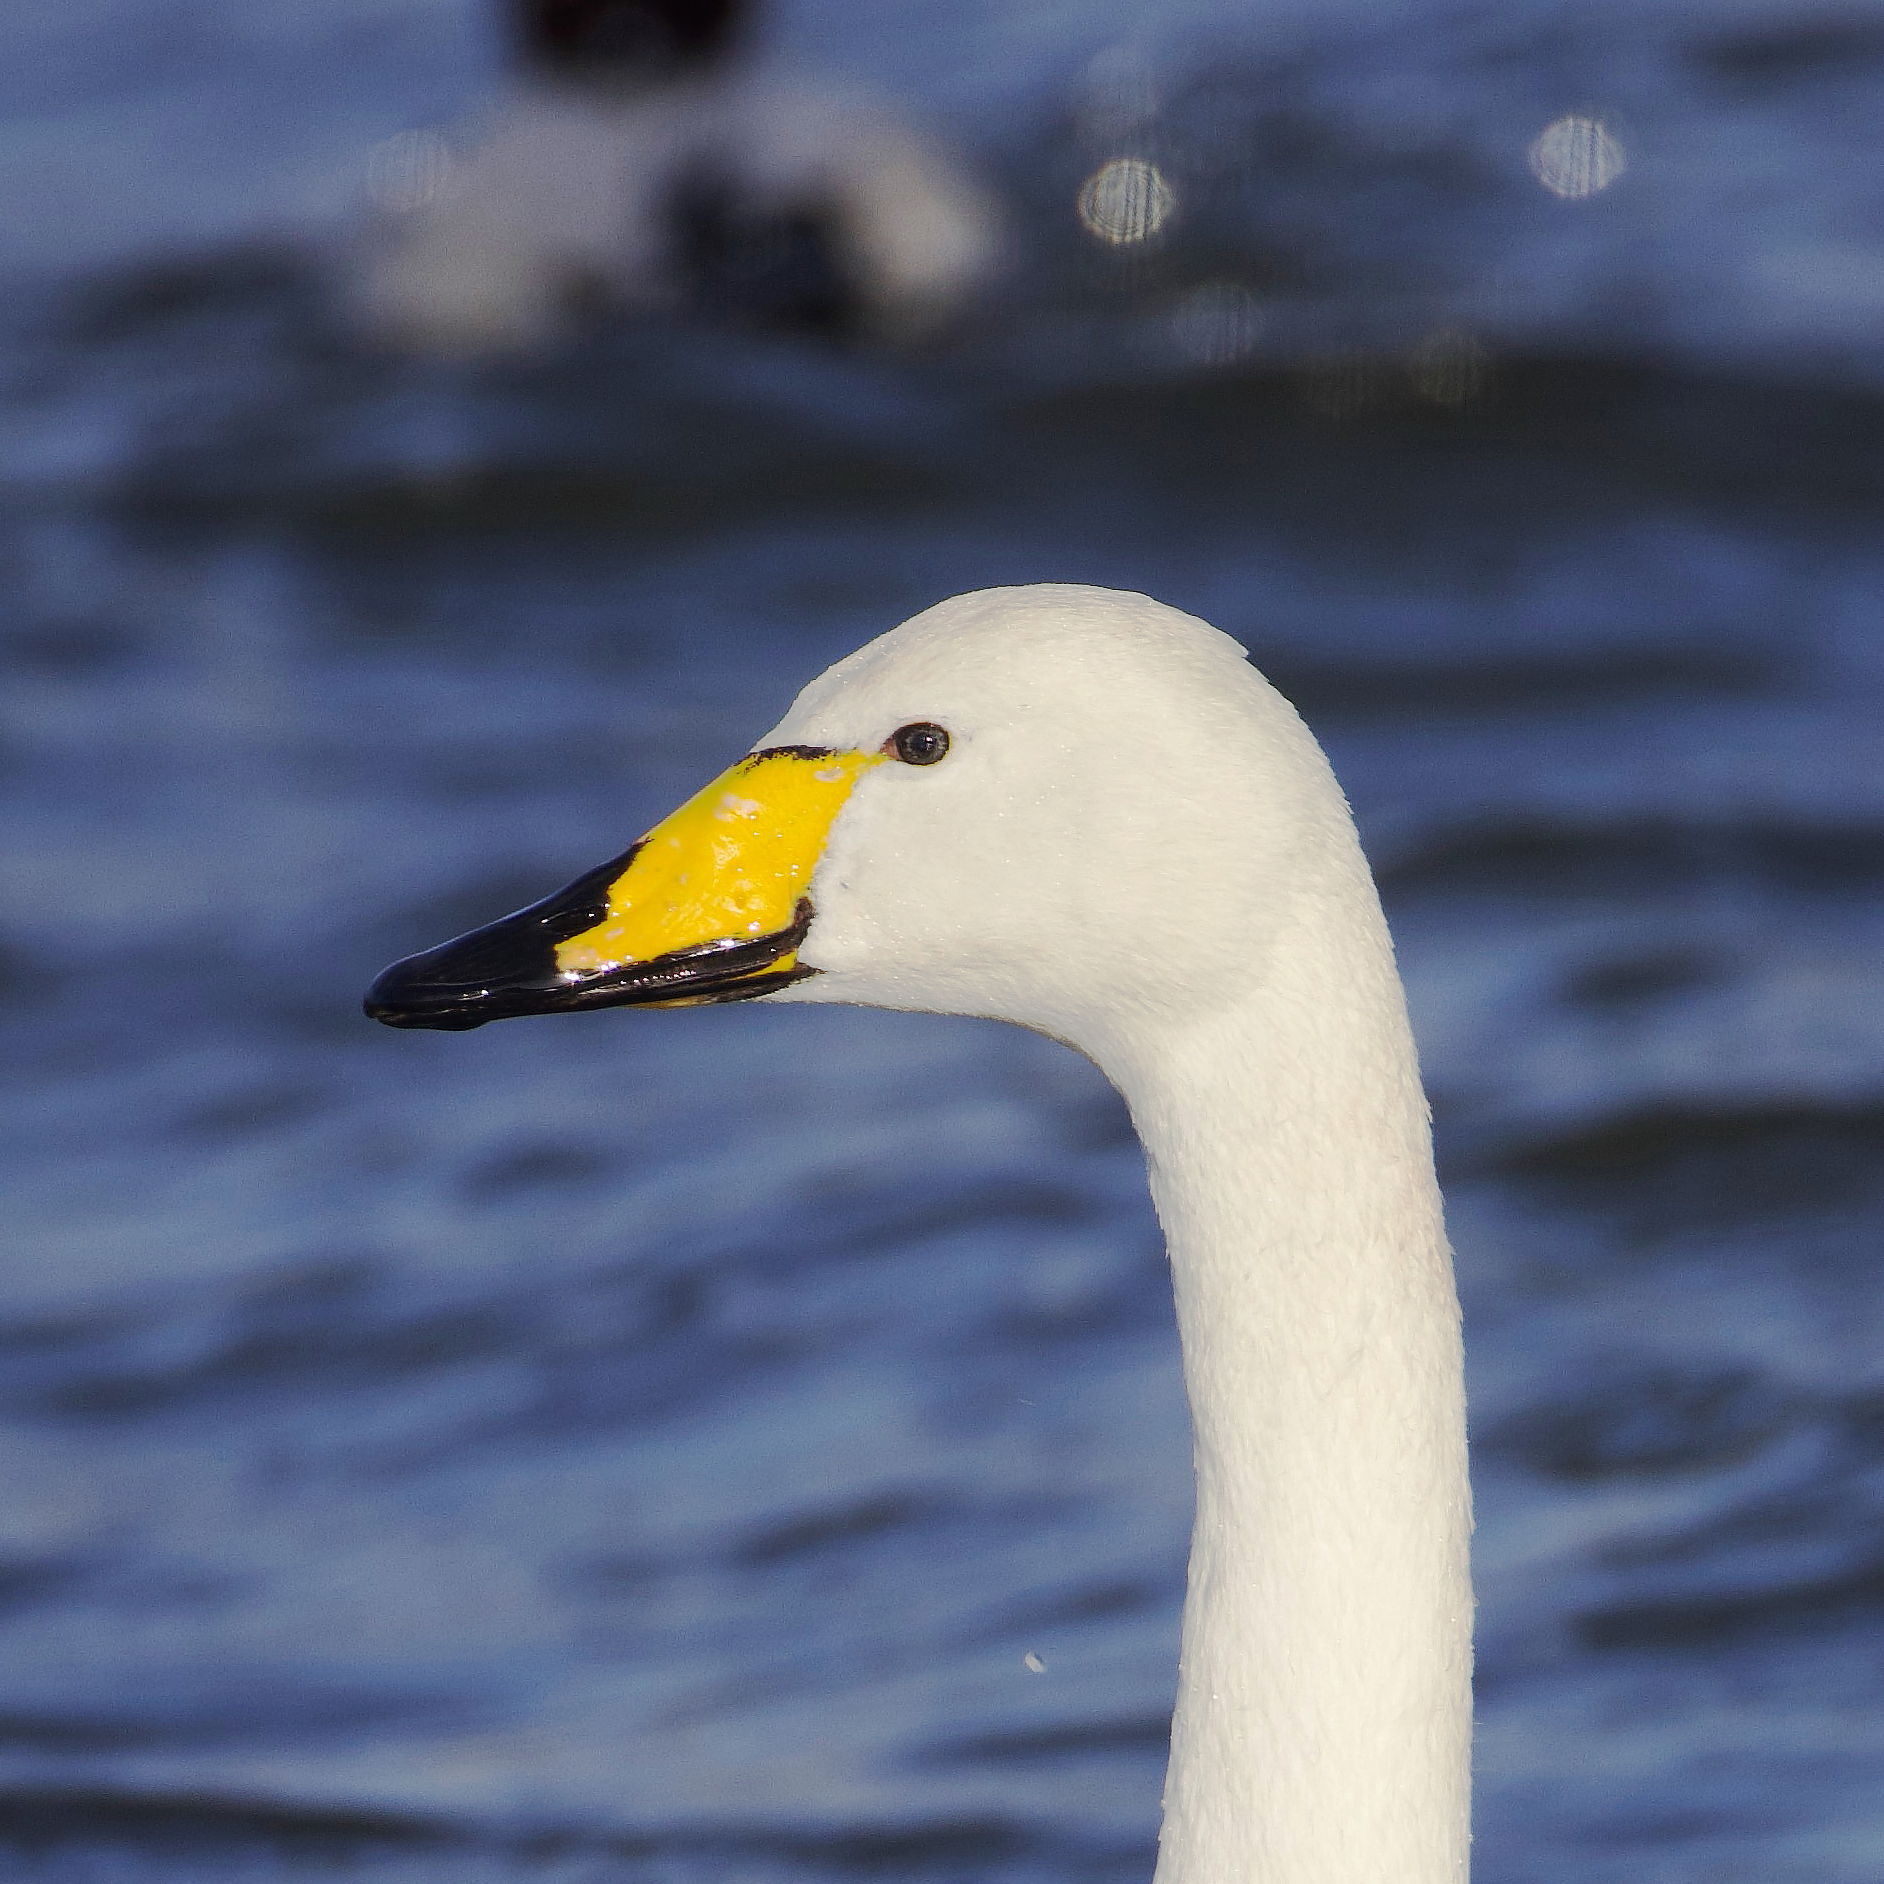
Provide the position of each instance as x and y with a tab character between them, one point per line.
712	905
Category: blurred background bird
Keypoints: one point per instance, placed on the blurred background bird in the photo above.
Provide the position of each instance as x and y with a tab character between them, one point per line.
640	160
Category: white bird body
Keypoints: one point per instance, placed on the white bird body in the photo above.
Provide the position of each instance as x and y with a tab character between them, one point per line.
1134	845
580	190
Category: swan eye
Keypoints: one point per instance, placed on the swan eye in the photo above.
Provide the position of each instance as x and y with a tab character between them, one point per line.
922	743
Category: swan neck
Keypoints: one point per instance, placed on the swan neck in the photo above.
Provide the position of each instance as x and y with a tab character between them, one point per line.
1321	1733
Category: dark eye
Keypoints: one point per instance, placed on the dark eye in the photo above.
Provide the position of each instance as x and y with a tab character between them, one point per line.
920	744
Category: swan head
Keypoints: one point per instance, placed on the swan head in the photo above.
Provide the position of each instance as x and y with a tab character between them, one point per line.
1067	807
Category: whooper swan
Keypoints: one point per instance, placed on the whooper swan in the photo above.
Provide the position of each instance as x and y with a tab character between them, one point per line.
1084	812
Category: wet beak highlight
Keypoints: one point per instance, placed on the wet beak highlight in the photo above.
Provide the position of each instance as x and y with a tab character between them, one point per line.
712	905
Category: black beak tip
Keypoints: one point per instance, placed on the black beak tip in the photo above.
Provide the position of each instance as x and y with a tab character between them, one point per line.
509	969
394	1001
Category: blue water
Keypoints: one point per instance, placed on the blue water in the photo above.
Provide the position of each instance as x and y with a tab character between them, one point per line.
653	1446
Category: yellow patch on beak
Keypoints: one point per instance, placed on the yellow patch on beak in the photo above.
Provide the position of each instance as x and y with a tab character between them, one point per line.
729	866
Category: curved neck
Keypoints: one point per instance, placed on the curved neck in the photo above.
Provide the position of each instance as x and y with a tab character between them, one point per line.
1323	1716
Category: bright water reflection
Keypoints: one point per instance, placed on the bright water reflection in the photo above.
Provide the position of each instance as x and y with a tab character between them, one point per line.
1126	201
1575	157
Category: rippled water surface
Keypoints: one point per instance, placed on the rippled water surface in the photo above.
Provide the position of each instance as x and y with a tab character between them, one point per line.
747	1445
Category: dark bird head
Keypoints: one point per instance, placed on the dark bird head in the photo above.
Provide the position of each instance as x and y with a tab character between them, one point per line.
623	38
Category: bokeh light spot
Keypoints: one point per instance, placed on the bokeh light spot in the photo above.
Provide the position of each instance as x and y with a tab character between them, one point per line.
1126	201
1575	157
407	171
